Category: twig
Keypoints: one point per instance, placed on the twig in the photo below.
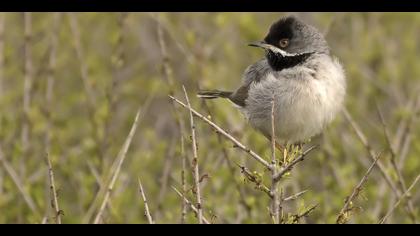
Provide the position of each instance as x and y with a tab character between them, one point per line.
167	75
27	85
74	26
118	64
14	176
120	160
51	79
102	186
183	179
192	58
226	134
370	151
254	179
53	190
397	169
275	201
356	191
295	196
383	220
195	161
297	217
295	161
146	207
190	204
2	23
409	209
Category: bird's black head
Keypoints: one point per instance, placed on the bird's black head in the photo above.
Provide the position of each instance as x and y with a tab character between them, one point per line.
290	42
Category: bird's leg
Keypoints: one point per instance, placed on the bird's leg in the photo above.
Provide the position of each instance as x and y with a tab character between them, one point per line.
279	146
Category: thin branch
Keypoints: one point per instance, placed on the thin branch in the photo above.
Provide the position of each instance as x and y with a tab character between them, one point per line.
342	218
120	160
168	76
396	167
16	180
2	54
183	180
102	186
146	207
370	151
27	85
195	161
295	161
409	209
407	193
118	60
295	196
53	190
190	204
52	63
254	179
226	134
306	213
74	26
275	201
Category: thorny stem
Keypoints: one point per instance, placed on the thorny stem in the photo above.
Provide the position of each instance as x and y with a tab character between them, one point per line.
346	208
275	201
146	206
53	189
383	220
227	135
190	204
195	161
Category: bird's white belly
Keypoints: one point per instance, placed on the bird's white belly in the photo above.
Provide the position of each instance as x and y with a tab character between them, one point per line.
303	107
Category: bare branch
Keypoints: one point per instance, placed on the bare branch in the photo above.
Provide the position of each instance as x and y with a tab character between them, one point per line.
370	151
290	166
195	161
16	180
227	135
120	160
2	24
342	217
396	167
183	179
275	201
146	207
409	209
295	196
254	179
53	190
27	85
383	220
190	204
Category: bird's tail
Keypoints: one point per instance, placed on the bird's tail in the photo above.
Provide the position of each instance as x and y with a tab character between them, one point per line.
212	94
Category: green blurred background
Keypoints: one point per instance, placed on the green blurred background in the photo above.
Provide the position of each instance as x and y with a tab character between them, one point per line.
84	75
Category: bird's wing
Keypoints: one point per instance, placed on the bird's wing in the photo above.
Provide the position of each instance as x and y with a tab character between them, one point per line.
253	74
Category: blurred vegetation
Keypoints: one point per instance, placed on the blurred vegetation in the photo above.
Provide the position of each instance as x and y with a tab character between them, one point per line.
109	64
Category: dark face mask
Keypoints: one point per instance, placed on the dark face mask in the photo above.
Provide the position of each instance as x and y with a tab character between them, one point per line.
279	62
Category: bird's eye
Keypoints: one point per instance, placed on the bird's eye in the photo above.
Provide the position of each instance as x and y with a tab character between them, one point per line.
284	43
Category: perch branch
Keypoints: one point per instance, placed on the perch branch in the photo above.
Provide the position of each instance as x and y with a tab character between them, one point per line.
226	134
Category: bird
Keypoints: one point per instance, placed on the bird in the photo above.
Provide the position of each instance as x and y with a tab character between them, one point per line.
298	81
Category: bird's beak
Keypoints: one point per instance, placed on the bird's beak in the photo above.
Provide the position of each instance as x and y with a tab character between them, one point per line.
260	44
268	47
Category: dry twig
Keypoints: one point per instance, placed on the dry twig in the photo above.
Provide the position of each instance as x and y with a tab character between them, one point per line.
227	135
120	160
195	161
190	204
383	220
342	217
146	206
53	190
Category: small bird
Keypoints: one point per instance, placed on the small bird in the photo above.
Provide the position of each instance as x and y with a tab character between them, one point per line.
298	74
